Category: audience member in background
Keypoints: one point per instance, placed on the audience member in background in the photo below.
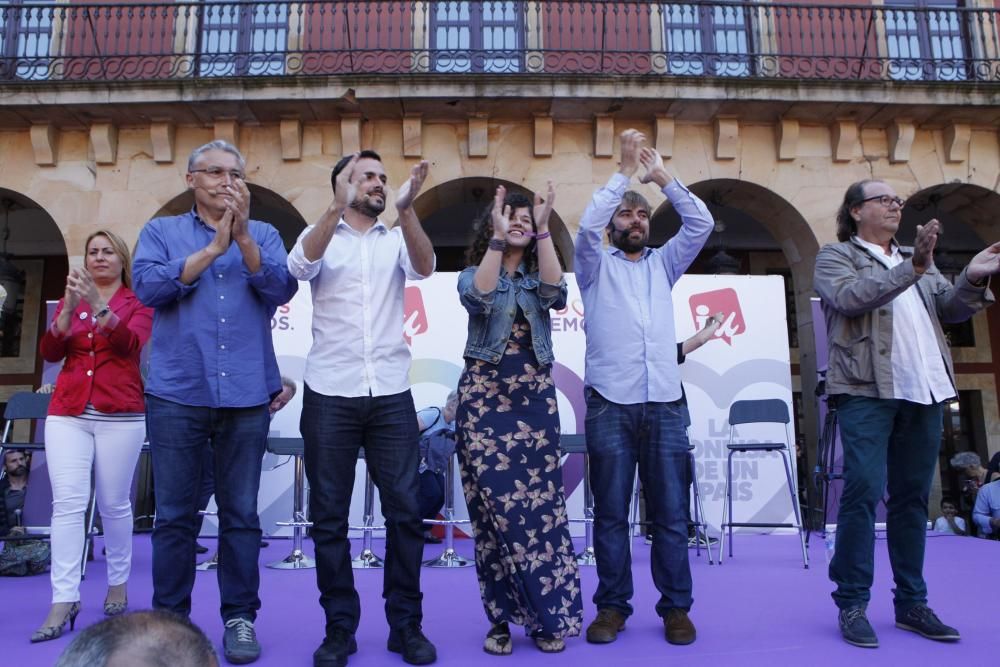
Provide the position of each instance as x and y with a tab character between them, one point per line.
287	393
20	556
215	278
437	445
993	468
633	387
986	512
949	521
890	373
970	466
140	639
508	427
96	421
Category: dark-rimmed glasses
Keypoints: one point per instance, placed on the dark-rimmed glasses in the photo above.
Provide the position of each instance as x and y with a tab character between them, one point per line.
885	200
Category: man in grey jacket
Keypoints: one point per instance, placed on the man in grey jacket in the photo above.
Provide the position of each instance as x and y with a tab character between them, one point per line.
890	371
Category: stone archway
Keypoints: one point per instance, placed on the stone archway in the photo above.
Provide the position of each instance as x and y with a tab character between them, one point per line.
758	220
967	214
265	205
449	210
33	267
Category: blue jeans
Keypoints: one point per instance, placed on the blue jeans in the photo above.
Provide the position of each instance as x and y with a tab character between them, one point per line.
652	435
333	429
178	436
902	439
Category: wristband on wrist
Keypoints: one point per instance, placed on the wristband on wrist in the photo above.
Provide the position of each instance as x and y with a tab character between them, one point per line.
543	235
497	244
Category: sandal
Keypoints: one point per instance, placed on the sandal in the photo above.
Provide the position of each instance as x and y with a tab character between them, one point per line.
498	640
550	645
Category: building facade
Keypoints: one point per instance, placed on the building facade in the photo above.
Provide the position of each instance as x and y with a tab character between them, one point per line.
767	110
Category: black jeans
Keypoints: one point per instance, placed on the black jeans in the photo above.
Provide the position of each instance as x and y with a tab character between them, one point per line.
178	437
333	429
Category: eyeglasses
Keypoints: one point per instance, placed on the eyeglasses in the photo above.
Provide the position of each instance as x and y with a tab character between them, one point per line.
219	172
885	200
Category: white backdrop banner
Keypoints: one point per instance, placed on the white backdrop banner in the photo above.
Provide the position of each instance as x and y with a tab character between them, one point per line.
748	358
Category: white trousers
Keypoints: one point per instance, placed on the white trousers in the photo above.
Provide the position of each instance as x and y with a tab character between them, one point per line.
72	446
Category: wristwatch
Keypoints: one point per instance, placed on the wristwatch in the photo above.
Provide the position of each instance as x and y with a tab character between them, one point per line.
102	312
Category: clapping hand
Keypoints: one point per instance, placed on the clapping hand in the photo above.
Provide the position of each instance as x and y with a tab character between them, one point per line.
985	264
500	214
238	202
411	188
631	145
923	246
543	209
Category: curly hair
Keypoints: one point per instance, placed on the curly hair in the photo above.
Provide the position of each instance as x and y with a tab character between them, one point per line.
482	231
846	226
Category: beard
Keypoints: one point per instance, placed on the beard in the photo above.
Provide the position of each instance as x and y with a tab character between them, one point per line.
19	471
624	242
369	207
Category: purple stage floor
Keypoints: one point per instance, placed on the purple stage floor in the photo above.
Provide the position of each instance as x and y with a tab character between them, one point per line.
760	608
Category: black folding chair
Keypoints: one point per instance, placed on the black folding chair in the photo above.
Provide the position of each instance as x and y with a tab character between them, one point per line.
761	411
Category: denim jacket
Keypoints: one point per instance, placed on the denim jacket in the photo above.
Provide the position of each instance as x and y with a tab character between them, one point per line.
491	314
857	291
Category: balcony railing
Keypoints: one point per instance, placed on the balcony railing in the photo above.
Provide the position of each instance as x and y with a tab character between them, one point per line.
189	40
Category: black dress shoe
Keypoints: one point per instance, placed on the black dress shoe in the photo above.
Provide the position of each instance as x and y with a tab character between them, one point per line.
410	641
336	646
199	549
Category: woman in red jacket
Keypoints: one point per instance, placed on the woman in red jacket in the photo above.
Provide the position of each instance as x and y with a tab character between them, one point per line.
96	418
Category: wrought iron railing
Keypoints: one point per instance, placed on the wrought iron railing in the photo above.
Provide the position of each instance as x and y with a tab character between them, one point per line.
155	41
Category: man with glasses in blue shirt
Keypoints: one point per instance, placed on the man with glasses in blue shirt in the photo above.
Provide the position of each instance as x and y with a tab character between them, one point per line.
633	387
890	371
214	278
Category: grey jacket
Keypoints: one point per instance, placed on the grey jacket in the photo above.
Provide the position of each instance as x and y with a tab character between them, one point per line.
857	293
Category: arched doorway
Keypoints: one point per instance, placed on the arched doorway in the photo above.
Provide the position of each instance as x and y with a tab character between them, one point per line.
33	268
967	214
758	232
265	205
449	211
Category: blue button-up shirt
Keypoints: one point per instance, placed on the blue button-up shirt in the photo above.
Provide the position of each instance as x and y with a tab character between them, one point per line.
628	310
211	342
987	507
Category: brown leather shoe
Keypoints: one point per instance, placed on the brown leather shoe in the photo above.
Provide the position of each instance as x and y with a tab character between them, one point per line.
678	627
606	626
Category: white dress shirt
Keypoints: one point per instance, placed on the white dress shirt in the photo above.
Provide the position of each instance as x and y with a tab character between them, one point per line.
357	293
918	371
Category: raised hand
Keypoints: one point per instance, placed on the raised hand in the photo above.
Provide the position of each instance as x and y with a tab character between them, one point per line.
631	144
84	286
344	189
984	264
652	161
543	208
71	298
238	201
411	188
500	214
923	246
223	233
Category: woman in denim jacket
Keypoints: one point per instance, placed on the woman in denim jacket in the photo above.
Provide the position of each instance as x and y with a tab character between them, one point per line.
508	428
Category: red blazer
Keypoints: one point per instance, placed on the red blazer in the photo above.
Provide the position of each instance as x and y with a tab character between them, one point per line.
102	364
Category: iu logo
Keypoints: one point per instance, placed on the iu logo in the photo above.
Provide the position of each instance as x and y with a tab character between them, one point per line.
722	301
414	314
